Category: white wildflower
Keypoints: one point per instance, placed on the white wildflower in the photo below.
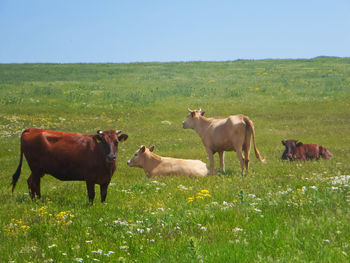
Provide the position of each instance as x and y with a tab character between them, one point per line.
123	247
237	229
166	122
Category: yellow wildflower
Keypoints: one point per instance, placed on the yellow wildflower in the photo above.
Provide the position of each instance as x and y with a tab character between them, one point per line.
190	199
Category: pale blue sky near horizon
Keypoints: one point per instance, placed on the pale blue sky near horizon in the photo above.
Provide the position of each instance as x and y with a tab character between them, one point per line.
77	31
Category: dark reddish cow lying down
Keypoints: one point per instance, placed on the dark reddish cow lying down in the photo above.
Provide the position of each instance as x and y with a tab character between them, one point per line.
70	157
298	150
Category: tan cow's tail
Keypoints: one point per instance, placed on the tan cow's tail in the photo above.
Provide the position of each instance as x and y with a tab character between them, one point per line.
250	125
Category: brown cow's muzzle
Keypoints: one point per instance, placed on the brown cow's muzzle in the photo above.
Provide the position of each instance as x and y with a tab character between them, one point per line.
290	156
111	158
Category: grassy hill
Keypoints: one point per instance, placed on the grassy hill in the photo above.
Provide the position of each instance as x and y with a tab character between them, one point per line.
281	211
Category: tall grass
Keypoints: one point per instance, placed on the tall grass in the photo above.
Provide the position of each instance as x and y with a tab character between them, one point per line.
281	211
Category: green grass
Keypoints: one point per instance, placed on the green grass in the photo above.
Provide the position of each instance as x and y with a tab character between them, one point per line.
279	212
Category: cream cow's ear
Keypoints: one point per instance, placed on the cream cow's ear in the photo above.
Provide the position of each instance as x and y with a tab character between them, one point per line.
142	149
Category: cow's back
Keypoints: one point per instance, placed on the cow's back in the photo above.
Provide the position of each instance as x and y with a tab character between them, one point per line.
307	151
66	156
173	166
226	134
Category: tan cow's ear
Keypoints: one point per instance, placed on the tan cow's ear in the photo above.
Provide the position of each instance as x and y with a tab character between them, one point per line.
283	142
151	149
202	113
143	149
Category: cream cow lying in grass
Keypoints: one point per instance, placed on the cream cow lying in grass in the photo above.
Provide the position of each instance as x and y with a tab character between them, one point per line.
154	164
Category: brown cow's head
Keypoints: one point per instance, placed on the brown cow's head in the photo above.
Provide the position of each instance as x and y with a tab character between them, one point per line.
139	157
290	147
110	140
324	153
192	118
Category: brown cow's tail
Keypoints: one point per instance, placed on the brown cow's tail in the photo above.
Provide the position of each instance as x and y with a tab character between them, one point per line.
250	125
16	175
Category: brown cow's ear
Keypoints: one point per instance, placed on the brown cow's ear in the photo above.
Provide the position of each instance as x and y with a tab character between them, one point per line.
283	142
97	138
299	144
123	137
143	149
151	149
202	113
193	113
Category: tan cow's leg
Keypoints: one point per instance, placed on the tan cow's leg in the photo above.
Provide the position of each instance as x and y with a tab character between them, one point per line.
246	158
222	160
241	159
211	160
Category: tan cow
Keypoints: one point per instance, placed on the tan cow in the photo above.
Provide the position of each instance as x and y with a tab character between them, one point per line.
154	164
219	135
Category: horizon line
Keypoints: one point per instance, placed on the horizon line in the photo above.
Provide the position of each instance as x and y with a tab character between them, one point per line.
173	61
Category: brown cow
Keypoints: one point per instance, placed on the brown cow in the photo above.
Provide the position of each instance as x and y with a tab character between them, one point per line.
219	135
297	150
70	157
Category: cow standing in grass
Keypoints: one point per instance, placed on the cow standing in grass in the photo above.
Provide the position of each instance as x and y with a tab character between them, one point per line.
219	135
154	164
70	157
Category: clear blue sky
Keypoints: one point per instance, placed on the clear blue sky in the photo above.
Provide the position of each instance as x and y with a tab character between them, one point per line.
175	30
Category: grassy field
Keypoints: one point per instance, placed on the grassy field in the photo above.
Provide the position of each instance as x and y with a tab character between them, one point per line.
279	212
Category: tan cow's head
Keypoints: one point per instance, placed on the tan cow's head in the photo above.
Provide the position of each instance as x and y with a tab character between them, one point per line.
192	118
139	157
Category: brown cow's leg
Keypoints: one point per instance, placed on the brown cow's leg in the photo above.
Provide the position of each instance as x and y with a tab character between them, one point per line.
91	191
34	185
37	185
222	160
103	190
30	187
